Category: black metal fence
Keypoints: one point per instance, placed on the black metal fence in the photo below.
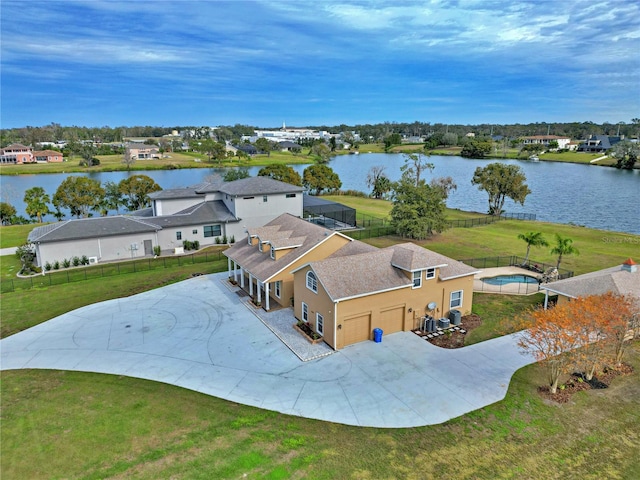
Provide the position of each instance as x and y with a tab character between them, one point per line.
474	222
78	274
537	268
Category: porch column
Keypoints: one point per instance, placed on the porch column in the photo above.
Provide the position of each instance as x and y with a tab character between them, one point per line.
251	285
241	277
259	290
546	299
229	267
235	271
266	296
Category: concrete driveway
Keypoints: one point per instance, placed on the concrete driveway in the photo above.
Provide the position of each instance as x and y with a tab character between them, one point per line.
197	334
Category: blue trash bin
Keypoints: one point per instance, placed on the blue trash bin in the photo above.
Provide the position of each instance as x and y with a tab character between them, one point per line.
377	335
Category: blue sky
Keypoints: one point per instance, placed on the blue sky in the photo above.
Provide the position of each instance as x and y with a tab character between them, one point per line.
167	63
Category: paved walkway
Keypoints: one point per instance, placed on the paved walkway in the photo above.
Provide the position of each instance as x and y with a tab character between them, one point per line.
197	335
8	251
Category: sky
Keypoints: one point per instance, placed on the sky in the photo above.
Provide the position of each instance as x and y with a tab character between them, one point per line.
309	63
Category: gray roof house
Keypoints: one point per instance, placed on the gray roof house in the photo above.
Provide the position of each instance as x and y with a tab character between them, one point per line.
622	280
206	213
598	143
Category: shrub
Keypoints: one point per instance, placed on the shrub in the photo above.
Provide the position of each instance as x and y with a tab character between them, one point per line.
232	239
66	263
75	261
195	244
157	250
84	260
224	239
47	267
56	265
217	240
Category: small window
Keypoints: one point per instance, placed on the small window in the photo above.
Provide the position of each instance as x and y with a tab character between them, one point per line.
178	235
290	195
273	252
260	245
312	281
431	273
456	299
417	279
249	238
278	288
264	198
247	198
319	324
194	231
305	312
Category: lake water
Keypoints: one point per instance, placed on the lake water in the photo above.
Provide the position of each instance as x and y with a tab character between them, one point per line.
597	197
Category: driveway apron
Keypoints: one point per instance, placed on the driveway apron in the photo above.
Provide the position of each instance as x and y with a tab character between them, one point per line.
197	334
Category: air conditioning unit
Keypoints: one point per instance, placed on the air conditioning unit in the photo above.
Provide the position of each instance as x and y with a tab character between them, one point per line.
93	260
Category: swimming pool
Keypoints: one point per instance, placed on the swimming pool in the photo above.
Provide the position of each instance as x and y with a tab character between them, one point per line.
506	279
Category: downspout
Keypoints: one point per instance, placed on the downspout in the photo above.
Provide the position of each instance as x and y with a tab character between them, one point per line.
99	249
546	299
335	324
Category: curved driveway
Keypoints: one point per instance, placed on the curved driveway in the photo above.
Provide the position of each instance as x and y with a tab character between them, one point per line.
197	334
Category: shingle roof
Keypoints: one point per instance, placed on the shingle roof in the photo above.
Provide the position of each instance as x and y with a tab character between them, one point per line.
356	275
260	264
200	214
361	269
614	279
174	193
257	186
90	228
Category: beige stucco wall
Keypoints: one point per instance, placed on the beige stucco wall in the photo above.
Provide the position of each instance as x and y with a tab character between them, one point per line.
413	301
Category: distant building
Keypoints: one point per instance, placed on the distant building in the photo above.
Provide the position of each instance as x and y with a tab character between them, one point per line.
544	140
598	143
18	154
141	151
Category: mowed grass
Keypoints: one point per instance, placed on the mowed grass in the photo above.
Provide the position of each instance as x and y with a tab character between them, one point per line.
84	425
176	160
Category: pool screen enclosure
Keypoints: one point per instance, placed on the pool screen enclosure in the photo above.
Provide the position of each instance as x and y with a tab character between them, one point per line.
329	214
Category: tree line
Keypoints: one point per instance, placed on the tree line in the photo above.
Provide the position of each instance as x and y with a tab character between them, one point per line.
32	135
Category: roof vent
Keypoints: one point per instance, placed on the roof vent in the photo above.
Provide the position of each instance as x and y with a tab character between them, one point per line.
629	265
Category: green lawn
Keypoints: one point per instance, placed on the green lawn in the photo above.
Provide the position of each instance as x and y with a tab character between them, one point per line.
110	163
15	235
83	425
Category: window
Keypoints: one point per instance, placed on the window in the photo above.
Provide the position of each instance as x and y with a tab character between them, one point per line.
212	231
290	195
278	288
247	198
273	252
417	279
312	281
178	235
194	231
319	324
431	273
305	312
249	239
264	198
456	299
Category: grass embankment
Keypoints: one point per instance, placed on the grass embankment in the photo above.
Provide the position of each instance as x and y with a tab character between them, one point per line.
83	425
113	163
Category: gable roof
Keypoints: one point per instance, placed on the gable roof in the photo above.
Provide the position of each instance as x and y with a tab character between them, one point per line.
285	230
359	269
614	279
206	212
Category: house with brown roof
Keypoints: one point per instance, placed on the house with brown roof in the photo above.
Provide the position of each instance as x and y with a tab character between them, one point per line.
344	288
18	154
621	280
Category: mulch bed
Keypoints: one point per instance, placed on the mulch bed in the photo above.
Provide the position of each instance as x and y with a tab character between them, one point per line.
456	339
577	383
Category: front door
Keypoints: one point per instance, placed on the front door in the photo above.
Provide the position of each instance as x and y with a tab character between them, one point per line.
148	249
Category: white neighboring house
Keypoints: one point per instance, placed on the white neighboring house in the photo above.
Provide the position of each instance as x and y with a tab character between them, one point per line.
202	213
544	140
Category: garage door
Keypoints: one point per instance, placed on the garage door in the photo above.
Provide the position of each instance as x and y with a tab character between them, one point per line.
357	329
391	320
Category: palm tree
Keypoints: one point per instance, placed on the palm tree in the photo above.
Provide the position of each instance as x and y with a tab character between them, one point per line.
563	247
533	239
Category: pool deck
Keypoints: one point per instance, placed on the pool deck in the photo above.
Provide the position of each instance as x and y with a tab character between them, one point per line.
509	288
